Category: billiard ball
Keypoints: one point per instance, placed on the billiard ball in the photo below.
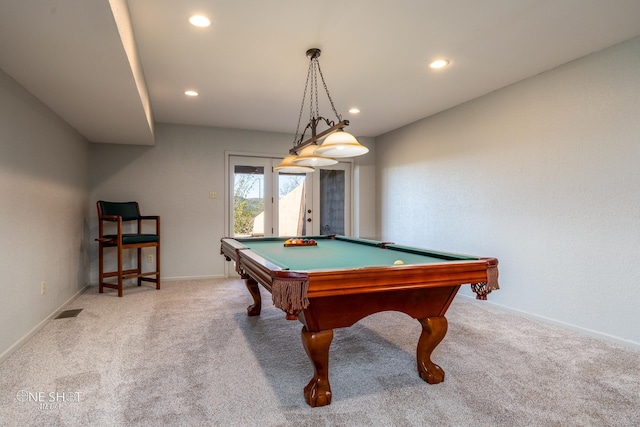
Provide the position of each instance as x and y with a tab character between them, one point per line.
398	262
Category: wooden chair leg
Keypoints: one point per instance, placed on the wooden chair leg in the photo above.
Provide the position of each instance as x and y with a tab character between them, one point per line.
158	267
139	250
120	271
100	268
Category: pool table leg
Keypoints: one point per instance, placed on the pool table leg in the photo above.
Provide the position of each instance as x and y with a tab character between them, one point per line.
316	344
254	290
433	331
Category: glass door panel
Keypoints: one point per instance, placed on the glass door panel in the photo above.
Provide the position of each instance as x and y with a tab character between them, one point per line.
292	204
331	195
332	201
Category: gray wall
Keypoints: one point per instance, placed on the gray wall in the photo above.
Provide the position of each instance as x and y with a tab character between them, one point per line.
44	224
545	176
173	179
542	174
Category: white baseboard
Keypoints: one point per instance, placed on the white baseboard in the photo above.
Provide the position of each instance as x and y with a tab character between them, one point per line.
583	331
39	326
177	278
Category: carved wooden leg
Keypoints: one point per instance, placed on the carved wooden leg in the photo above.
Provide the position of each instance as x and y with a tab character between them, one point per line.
254	290
433	331
316	344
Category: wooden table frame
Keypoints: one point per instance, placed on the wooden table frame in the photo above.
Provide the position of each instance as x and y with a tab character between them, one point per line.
340	298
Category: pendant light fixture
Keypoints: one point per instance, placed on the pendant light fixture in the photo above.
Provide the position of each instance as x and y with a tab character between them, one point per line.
341	144
287	165
309	156
338	143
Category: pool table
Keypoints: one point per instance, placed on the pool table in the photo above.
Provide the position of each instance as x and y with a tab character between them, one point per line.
338	281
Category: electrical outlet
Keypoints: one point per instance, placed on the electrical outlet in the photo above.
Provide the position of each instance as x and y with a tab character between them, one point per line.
213	195
43	287
149	259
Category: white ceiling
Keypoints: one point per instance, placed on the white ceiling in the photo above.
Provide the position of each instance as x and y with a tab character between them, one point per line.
79	57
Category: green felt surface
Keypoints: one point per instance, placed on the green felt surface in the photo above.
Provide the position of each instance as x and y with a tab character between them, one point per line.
341	254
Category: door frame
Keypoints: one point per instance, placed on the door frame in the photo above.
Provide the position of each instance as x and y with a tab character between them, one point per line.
228	194
347	167
258	161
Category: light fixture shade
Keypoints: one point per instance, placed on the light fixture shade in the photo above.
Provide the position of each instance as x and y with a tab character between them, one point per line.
341	144
287	165
307	157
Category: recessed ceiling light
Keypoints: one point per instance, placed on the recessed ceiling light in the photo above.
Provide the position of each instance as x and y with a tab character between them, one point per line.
439	63
354	111
199	21
191	93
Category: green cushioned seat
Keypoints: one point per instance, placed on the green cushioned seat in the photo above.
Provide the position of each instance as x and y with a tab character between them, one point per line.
128	239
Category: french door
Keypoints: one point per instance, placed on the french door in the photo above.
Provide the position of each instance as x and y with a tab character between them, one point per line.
265	202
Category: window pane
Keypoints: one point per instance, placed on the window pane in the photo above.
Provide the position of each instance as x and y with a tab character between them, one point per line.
248	201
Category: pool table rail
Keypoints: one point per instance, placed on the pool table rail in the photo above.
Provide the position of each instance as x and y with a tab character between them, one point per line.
330	282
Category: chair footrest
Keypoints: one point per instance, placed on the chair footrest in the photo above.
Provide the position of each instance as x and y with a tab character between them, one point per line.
115	285
131	274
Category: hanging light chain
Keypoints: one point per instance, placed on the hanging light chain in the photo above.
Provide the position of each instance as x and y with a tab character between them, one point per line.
326	89
314	101
314	114
304	96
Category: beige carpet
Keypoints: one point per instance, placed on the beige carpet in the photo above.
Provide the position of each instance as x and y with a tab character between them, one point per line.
188	355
